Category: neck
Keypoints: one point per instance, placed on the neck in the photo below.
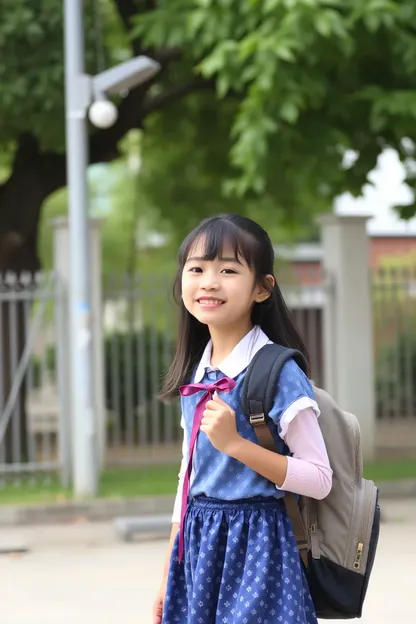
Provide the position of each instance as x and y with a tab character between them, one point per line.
224	339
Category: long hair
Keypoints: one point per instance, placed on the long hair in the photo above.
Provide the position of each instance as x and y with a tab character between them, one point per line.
251	242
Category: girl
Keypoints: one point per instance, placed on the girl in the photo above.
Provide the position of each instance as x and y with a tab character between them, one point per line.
232	556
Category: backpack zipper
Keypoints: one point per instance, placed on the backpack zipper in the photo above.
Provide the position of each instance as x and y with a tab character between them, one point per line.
313	532
314	537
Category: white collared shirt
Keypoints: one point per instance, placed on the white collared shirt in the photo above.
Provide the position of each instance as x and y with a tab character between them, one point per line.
239	358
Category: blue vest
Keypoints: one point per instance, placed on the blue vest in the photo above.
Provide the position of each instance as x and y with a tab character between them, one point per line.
218	475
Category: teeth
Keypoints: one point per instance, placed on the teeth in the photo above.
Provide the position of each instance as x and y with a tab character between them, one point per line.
210	301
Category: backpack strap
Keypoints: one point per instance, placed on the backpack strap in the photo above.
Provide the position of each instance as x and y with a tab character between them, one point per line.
258	393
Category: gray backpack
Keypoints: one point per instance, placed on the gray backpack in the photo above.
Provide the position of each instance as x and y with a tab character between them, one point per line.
337	537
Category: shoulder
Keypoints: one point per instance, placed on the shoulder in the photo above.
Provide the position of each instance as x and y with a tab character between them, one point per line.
294	382
294	393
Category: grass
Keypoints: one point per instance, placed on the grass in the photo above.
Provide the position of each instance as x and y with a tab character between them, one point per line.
117	483
159	480
391	470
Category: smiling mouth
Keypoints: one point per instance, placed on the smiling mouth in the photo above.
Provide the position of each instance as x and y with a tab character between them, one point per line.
210	302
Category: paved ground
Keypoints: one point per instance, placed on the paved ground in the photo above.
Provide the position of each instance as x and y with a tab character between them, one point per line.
81	574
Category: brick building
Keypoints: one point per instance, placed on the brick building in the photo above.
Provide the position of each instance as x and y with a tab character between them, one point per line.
301	263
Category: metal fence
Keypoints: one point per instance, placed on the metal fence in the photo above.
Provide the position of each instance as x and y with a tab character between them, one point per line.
29	398
139	324
394	316
139	329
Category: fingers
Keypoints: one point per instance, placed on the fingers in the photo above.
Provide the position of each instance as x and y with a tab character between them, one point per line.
205	422
158	613
211	405
218	399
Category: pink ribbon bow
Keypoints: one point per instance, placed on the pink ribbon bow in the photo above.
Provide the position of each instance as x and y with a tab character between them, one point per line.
225	384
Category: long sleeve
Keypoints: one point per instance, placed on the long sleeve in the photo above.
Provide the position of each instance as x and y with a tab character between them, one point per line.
308	471
176	516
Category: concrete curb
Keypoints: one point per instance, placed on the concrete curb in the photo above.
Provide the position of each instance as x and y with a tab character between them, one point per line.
146	508
98	510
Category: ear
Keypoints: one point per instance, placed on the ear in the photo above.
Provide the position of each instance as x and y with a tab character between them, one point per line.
264	290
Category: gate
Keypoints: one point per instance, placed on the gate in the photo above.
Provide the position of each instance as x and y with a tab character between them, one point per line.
139	324
30	397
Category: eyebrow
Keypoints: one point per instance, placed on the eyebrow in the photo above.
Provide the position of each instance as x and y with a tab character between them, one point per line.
222	259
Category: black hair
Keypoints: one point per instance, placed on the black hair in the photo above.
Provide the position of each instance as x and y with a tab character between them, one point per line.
249	241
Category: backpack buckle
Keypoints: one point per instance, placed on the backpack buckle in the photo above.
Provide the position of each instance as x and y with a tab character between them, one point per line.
257	420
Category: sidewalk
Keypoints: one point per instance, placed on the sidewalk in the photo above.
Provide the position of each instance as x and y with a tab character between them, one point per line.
101	510
81	573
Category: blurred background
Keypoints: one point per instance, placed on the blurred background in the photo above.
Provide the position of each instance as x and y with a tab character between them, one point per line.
298	114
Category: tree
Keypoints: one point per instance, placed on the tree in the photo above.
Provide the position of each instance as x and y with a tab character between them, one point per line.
310	80
134	237
299	83
290	84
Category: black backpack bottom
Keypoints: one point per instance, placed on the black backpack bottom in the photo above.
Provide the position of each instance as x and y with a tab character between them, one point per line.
338	593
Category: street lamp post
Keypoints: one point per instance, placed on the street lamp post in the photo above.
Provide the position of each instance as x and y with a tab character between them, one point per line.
80	92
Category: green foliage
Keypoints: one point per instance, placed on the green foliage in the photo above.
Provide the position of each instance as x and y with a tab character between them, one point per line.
31	66
127	220
186	168
290	85
308	79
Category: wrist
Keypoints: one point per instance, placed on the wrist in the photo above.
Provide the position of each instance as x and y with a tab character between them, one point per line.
235	447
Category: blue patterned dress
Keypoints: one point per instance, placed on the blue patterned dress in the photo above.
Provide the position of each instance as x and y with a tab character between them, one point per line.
241	563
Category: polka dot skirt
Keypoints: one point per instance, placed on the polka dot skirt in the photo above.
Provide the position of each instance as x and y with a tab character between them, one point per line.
241	565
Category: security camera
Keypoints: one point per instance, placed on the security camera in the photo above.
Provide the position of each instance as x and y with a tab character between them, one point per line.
103	113
125	76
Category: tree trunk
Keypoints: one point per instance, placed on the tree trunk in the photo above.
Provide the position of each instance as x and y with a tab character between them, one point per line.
36	175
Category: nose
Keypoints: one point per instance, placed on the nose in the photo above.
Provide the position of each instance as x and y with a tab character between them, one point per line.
209	281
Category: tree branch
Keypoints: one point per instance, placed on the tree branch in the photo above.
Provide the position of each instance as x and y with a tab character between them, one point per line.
165	55
126	10
175	94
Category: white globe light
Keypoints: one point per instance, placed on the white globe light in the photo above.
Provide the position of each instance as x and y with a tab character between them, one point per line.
103	114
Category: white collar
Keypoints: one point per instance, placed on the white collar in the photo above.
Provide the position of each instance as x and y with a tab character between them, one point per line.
239	358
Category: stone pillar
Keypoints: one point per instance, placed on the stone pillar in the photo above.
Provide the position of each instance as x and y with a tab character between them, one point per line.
348	326
61	265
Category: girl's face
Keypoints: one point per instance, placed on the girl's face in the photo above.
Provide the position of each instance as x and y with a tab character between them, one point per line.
219	292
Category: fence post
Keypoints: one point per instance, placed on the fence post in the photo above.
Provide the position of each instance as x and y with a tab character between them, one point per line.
348	326
62	268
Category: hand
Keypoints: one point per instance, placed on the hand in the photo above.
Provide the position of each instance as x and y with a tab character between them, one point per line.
219	424
158	605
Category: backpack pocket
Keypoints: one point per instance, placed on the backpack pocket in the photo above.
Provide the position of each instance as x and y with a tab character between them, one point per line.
338	591
365	501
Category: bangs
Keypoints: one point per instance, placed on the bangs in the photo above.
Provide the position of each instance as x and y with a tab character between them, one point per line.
215	236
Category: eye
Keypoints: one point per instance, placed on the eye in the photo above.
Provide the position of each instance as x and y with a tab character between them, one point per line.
229	271
195	270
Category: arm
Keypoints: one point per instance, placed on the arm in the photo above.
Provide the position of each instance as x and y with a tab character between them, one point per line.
176	516
160	599
307	473
308	470
158	605
174	531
